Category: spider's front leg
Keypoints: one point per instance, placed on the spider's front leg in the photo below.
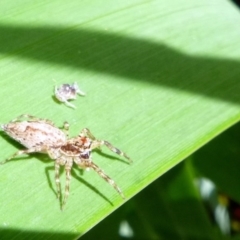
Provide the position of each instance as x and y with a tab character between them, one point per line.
87	133
98	143
114	149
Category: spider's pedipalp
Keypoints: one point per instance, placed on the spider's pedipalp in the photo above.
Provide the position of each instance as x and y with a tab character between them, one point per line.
106	178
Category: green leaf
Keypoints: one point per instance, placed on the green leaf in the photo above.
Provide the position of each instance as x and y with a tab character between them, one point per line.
161	79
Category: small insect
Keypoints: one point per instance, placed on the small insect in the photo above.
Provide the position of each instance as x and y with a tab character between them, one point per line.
41	135
68	92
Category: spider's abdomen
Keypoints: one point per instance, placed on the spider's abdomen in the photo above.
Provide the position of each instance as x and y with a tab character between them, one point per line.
35	133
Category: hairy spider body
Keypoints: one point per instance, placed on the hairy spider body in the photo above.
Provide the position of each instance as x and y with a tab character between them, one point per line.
39	135
35	133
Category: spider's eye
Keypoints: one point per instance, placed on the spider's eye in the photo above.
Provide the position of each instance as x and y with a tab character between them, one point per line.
85	155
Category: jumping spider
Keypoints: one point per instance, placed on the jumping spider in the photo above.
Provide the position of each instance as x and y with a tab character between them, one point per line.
40	135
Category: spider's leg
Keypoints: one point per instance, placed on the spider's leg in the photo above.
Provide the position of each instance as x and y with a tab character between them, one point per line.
99	143
78	91
69	104
68	167
66	128
116	150
87	133
20	152
106	178
27	116
57	180
32	118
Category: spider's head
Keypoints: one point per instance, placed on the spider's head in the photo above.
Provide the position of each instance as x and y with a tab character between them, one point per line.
85	146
